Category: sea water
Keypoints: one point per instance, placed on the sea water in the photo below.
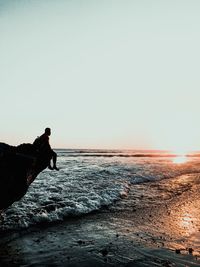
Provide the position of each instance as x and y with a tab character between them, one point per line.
89	180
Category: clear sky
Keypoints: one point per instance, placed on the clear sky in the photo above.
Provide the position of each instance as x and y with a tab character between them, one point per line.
101	73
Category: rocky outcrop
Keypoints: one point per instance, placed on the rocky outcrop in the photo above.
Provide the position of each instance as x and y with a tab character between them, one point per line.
19	166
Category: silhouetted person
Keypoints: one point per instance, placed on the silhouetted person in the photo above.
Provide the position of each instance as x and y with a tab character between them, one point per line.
42	145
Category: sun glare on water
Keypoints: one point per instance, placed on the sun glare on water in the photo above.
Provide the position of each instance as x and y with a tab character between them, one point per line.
180	157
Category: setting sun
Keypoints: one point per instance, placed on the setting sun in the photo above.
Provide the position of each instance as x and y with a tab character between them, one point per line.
180	159
180	156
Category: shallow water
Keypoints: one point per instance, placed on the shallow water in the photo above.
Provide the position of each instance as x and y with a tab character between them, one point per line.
90	179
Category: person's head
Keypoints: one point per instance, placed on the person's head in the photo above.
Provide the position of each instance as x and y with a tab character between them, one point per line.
48	131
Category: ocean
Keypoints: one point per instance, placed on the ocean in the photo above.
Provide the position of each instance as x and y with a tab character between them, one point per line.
89	180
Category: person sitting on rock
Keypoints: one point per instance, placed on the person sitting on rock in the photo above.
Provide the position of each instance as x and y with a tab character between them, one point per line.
42	145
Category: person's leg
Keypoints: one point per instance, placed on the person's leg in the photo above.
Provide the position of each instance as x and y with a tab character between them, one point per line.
51	157
54	156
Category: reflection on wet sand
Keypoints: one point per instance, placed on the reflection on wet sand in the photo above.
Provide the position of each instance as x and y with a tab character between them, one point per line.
183	224
171	223
186	222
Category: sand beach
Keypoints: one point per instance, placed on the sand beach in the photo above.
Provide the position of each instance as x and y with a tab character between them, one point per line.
158	231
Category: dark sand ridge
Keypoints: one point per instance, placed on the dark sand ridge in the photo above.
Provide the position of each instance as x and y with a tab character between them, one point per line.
159	227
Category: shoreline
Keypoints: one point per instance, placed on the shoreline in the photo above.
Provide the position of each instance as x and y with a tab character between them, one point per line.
145	234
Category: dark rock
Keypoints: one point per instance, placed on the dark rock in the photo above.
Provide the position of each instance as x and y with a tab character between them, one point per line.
190	250
19	166
178	251
104	252
81	242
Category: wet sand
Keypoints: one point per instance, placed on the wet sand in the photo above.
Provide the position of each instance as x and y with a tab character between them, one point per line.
157	228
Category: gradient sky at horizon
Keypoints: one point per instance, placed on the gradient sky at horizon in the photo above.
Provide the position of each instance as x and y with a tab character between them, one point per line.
101	73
